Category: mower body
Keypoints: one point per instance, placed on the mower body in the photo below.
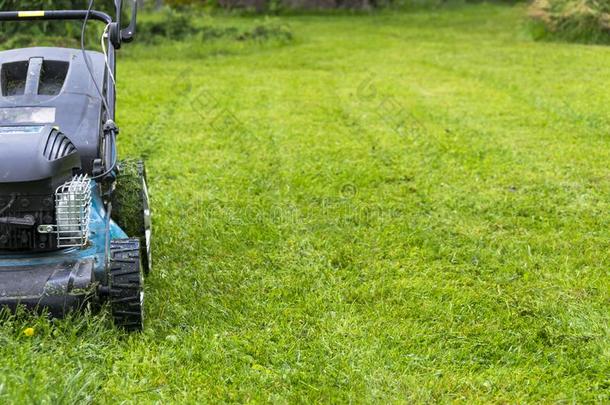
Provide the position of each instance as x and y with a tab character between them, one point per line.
60	247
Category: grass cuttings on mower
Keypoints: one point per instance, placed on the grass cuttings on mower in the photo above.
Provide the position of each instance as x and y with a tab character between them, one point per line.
573	20
127	195
130	208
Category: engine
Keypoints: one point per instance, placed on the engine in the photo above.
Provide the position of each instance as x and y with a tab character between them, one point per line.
44	200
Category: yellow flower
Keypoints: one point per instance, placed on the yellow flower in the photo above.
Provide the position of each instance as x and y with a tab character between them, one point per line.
29	332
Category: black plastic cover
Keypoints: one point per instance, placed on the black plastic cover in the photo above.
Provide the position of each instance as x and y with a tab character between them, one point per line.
57	78
28	156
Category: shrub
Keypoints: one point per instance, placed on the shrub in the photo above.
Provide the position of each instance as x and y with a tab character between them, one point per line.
574	20
176	26
266	31
172	24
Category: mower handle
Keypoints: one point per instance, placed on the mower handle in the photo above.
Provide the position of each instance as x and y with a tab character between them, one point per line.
54	15
117	35
127	34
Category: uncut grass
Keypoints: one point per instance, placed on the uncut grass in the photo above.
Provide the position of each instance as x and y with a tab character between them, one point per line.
311	246
571	20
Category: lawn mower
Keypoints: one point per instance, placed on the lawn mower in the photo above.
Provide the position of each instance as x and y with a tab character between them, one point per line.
75	226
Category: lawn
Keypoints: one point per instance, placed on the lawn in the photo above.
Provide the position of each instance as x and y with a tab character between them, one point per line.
388	208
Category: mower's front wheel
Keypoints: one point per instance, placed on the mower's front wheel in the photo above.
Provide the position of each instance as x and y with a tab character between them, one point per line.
126	284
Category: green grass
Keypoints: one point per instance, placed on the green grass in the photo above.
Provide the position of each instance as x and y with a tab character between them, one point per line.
391	208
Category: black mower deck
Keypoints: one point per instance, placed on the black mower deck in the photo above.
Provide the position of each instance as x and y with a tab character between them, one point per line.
59	287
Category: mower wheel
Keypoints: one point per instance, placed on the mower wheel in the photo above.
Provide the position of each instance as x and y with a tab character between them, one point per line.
126	284
131	206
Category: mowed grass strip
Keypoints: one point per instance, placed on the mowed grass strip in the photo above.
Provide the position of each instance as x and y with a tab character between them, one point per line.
390	208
